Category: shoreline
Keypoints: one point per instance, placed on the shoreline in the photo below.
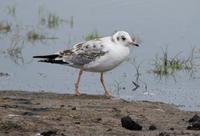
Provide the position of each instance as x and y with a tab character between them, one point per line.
33	113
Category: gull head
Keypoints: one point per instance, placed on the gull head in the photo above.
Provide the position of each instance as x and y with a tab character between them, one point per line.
123	38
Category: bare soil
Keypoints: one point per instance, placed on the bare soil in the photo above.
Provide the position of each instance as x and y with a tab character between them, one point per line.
49	114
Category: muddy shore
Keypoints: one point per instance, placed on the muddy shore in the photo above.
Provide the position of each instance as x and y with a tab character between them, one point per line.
50	114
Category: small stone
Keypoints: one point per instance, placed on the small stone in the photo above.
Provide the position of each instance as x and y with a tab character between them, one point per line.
28	114
49	133
73	108
130	124
37	103
171	129
77	122
164	134
62	106
152	127
110	129
99	119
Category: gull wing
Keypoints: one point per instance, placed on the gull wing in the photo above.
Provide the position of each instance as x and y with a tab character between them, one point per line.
84	53
81	54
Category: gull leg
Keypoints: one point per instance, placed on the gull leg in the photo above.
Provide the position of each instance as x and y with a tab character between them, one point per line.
77	92
106	93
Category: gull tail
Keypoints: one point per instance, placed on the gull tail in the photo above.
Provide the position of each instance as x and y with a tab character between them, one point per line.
53	58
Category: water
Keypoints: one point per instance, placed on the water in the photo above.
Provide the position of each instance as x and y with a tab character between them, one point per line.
158	24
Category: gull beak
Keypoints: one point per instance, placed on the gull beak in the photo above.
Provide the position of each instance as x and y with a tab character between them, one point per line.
134	44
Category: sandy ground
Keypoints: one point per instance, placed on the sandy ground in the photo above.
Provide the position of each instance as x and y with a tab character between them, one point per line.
50	114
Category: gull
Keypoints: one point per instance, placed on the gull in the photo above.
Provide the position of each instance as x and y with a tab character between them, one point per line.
98	55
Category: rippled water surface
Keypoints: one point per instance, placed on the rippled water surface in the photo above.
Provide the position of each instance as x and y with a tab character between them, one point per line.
156	24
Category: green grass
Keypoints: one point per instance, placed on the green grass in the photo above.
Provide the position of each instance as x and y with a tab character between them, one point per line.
4	27
12	10
52	20
91	36
14	52
166	65
33	36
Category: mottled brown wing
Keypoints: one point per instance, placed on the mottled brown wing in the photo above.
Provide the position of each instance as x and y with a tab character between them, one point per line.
84	53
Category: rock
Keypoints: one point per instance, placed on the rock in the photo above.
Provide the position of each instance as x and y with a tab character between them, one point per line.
62	106
130	124
77	122
194	119
109	129
74	108
28	114
194	123
194	126
164	134
98	119
49	133
152	127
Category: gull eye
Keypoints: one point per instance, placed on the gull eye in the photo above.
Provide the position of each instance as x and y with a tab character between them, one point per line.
123	38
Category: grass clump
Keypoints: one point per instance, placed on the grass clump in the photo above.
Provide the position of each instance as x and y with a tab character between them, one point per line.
11	10
52	20
91	36
5	27
14	52
166	65
33	36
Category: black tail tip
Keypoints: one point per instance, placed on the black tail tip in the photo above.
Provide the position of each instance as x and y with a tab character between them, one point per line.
35	56
51	56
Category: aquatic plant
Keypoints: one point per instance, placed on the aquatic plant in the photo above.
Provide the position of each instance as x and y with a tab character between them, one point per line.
5	27
166	65
71	21
14	52
33	35
52	20
91	36
2	74
11	10
118	87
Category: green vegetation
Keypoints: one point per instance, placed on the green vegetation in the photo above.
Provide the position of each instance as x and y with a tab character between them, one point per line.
14	52
166	65
52	20
91	36
5	27
33	35
11	10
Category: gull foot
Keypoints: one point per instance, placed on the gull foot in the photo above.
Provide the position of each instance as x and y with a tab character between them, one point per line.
107	94
77	93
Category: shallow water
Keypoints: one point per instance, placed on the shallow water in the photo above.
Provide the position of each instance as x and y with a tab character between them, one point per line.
158	24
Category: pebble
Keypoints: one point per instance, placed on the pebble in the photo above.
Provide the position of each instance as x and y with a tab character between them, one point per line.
130	124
